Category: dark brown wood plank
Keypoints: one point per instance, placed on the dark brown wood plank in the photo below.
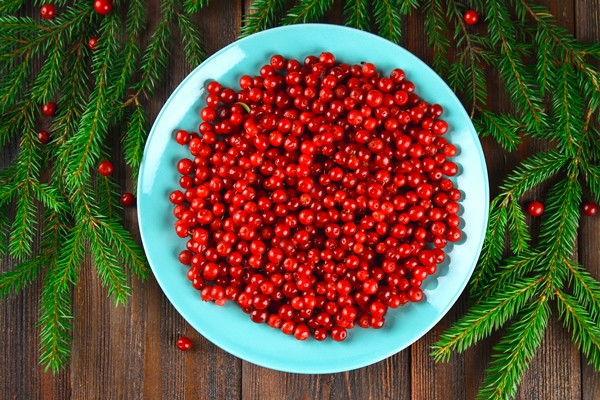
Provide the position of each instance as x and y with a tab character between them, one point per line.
587	29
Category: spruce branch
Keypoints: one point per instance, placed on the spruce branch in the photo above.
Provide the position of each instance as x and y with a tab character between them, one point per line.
386	12
193	6
486	316
515	350
135	138
407	6
84	147
192	41
264	14
518	230
493	247
357	15
504	128
519	83
583	327
307	11
437	31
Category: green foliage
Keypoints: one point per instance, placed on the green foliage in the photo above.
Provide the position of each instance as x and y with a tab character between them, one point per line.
357	14
264	14
388	19
307	11
54	192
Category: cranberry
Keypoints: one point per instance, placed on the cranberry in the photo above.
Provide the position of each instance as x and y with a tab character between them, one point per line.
471	17
311	194
91	44
49	109
184	343
105	168
48	11
590	208
103	7
535	208
127	199
43	137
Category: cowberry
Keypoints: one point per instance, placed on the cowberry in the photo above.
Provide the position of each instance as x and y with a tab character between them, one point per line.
184	343
103	7
535	209
127	199
589	208
471	17
91	44
49	108
105	168
47	11
311	194
43	137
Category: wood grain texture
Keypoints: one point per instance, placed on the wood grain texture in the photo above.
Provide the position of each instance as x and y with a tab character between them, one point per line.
129	352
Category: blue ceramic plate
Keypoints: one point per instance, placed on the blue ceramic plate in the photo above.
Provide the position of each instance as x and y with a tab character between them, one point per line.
228	327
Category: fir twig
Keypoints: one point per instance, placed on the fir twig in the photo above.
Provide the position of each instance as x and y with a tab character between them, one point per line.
264	14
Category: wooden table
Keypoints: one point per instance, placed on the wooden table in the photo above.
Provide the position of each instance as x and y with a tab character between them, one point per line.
129	352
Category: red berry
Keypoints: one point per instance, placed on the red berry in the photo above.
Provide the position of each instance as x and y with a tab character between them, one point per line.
92	43
49	108
471	17
43	137
184	343
103	7
127	199
182	137
535	208
313	193
105	168
48	11
590	208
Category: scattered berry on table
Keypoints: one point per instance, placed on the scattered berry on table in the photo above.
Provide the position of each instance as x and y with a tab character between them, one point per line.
128	199
43	137
184	343
105	168
48	11
535	208
589	208
471	17
103	7
49	108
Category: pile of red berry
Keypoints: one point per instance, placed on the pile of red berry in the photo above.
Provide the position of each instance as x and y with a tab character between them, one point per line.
312	193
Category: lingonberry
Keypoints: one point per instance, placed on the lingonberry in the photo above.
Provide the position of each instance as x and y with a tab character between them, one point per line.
49	108
47	11
91	44
127	199
184	343
311	194
43	137
105	168
589	208
103	7
535	208
471	17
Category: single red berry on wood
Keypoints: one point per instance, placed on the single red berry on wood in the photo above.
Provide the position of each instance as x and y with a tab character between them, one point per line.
92	43
590	208
535	208
49	108
184	343
127	199
103	7
471	17
43	137
105	168
48	11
